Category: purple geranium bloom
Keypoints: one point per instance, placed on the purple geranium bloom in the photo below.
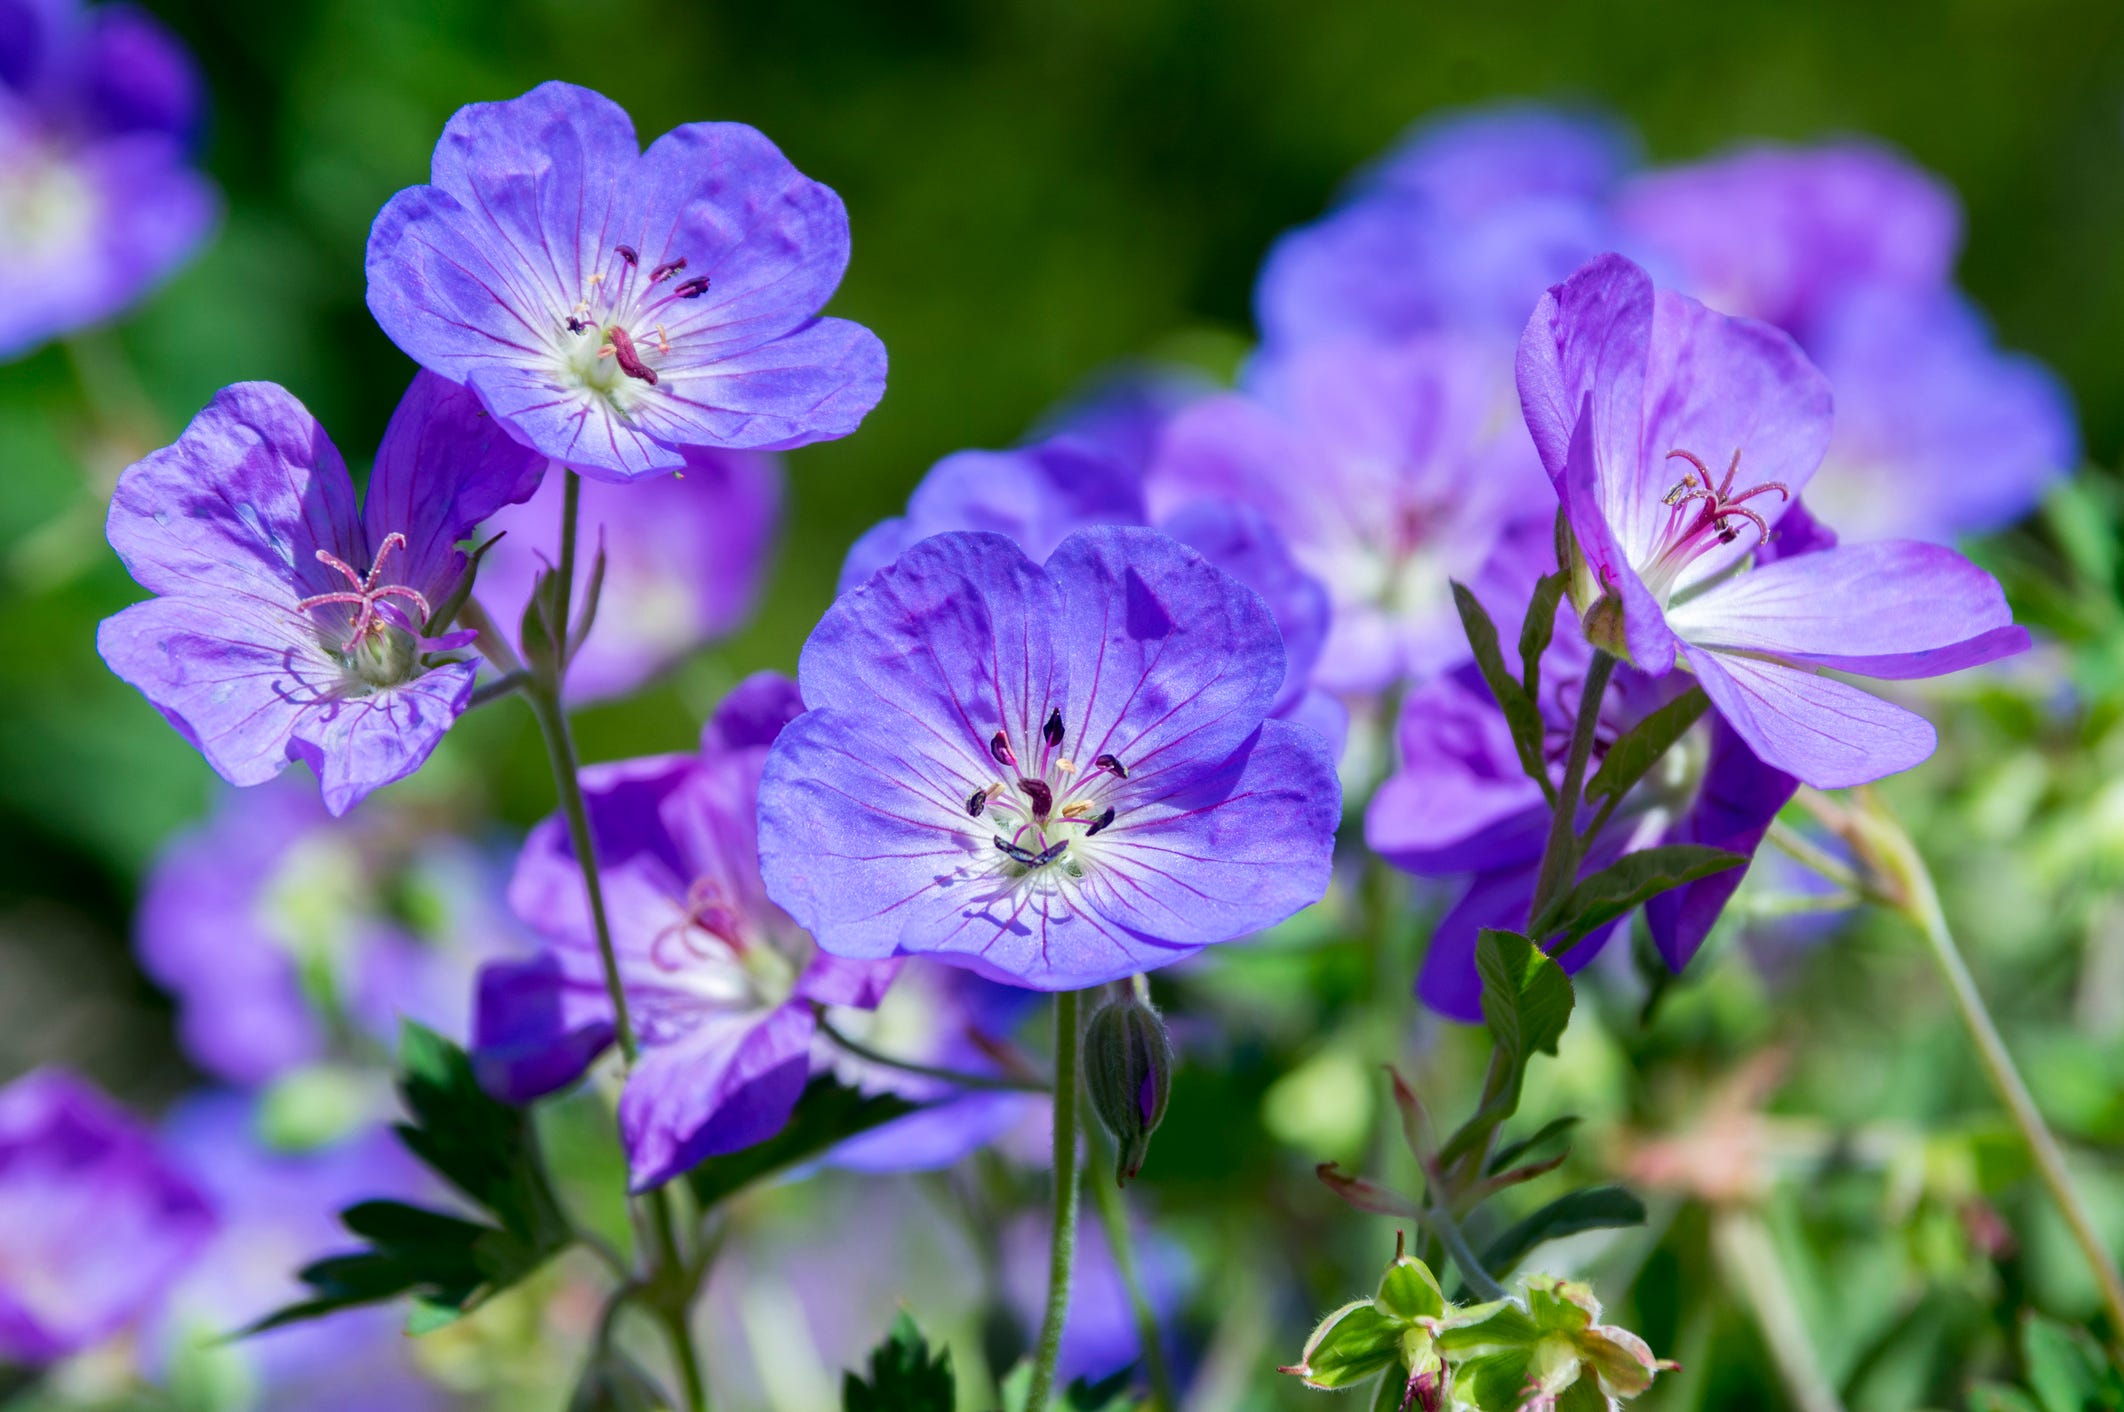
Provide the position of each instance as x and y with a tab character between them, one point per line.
98	199
279	1209
1676	438
278	928
1052	775
1390	470
1479	159
94	1222
288	624
721	985
614	307
1460	805
685	557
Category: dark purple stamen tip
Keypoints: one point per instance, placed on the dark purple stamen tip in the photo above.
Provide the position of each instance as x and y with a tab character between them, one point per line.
576	325
1052	731
976	802
1109	762
693	288
1043	798
1050	853
667	269
1015	853
999	747
627	253
629	360
1101	822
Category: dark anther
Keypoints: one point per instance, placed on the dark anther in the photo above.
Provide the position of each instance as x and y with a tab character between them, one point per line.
1050	853
1052	731
999	746
976	802
667	269
626	252
1017	854
630	361
693	288
1043	798
1109	762
1101	822
576	325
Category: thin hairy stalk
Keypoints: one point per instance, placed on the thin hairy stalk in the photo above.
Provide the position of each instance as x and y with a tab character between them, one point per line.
1909	890
1559	858
505	685
1062	1251
1448	1230
1121	1243
963	1079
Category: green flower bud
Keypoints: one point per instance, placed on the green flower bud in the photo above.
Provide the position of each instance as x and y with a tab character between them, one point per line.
1128	1071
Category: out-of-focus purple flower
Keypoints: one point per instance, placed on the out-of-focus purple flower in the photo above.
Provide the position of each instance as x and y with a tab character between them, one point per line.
685	556
1099	1336
95	1223
277	927
278	1210
615	307
98	200
720	983
1053	776
288	625
1389	470
1477	160
1850	248
1040	494
1125	409
1676	438
1785	234
1459	805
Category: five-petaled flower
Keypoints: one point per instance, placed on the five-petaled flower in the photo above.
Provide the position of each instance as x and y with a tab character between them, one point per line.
721	986
614	307
288	625
1677	438
1054	775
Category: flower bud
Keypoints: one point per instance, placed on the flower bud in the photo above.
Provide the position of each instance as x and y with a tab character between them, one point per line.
1128	1070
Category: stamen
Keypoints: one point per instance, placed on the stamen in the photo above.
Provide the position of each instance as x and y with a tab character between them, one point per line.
667	269
1052	731
1050	853
1015	853
1109	762
1066	765
692	289
999	747
366	591
1043	798
629	360
576	325
1077	809
976	802
627	253
1101	822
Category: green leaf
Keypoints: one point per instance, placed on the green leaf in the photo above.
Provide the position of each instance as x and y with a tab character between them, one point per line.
1109	1394
1631	881
1520	712
1351	1345
1996	1397
1640	747
904	1375
1593	1209
1548	1134
828	1112
1526	1002
1536	630
484	1147
1409	1291
2067	1370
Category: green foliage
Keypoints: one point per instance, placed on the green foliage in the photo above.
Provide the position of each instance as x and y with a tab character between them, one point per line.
827	1113
1520	711
2065	1371
1526	1003
1592	1209
904	1375
1536	630
1631	881
1641	747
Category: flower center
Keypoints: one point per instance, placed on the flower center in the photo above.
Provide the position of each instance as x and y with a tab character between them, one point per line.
610	341
1703	513
1045	804
380	644
47	209
707	950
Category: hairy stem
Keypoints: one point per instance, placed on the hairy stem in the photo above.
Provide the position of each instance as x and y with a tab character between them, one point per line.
1559	858
928	1071
1062	1252
1121	1242
1911	892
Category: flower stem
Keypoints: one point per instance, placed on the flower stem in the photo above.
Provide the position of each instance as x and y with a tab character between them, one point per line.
1912	893
1748	1261
1559	858
1121	1243
1062	1252
928	1071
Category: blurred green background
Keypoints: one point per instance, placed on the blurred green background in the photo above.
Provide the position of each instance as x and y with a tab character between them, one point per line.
1035	190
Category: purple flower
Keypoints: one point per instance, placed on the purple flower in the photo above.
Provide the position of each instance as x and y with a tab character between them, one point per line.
1476	160
1459	805
615	307
1054	776
277	1213
720	983
277	927
98	200
1676	438
1099	1335
1390	471
288	625
685	554
94	1222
